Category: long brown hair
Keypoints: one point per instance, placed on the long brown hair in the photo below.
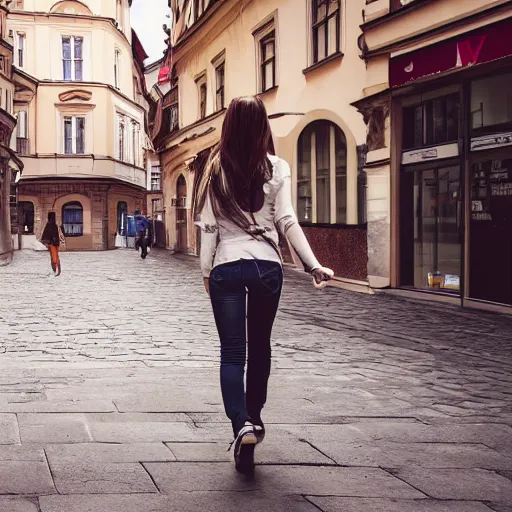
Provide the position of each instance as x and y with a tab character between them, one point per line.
238	166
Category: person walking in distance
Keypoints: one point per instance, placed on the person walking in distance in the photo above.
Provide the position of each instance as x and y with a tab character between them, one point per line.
241	200
52	237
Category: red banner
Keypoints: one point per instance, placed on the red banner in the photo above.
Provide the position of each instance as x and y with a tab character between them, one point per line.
485	44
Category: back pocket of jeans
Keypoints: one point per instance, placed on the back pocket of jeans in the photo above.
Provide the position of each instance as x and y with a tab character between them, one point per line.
271	277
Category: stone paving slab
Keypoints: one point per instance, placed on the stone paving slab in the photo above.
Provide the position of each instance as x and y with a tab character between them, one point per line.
337	504
140	417
493	435
101	478
336	481
18	505
9	433
419	455
275	450
143	432
177	502
460	484
53	428
167	403
59	406
25	477
13	453
97	453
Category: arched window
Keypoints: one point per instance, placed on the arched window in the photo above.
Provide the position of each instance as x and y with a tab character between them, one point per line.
181	192
73	219
122	213
322	174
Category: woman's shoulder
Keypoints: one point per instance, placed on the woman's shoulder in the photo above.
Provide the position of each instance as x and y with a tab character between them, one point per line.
281	167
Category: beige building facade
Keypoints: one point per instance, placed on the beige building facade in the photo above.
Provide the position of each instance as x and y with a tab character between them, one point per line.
10	166
438	105
81	119
302	58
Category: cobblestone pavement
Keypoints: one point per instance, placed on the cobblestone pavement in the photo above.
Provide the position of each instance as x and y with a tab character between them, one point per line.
109	397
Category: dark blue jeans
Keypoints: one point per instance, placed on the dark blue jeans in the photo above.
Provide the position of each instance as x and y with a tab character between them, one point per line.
245	297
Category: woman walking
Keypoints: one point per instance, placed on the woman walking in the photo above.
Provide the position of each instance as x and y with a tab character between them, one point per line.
52	238
243	199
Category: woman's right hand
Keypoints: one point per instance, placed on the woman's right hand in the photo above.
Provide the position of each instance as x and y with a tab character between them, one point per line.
206	282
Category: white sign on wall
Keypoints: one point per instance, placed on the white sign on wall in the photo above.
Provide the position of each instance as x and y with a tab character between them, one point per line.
426	154
491	141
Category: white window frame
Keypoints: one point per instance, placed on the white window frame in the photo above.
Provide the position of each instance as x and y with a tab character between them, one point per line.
73	57
217	62
121	149
119	14
260	32
131	150
157	176
117	66
134	142
8	101
22	124
201	80
73	118
20	47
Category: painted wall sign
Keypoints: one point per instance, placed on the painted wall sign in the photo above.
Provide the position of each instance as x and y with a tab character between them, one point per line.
491	141
485	44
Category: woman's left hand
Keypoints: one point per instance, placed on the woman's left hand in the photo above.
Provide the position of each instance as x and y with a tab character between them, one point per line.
206	282
322	274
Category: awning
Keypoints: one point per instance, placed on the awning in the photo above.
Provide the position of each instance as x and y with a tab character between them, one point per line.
486	44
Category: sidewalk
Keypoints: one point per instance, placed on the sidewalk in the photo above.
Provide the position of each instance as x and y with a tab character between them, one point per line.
109	397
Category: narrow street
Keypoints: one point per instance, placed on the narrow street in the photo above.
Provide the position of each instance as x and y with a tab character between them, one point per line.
110	402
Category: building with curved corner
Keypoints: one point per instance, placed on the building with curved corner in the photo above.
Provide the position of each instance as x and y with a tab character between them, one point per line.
10	166
302	58
81	122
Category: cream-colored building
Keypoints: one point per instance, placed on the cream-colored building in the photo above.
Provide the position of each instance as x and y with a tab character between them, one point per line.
438	103
10	166
81	119
302	58
155	203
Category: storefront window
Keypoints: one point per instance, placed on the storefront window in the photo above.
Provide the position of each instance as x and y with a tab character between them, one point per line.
491	104
433	122
437	229
431	235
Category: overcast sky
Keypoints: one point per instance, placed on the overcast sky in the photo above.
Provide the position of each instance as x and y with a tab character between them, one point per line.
148	16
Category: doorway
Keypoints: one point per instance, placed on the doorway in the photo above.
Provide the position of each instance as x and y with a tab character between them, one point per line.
431	228
181	214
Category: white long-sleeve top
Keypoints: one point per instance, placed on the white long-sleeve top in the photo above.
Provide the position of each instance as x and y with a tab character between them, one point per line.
222	241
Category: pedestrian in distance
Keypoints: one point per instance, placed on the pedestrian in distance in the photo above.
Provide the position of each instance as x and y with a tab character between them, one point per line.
143	235
242	200
52	238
